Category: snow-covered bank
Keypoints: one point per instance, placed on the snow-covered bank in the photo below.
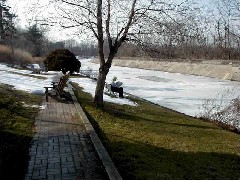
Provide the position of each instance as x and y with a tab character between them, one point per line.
89	86
20	80
12	76
220	71
183	93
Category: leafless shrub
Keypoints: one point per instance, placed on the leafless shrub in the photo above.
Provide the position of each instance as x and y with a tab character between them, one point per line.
20	56
5	54
224	109
38	60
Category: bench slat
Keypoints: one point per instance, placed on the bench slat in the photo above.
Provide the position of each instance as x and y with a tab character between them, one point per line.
59	87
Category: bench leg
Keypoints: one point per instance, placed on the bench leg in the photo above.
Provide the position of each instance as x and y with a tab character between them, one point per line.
46	93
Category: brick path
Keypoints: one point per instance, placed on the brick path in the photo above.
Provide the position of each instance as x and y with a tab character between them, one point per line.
61	148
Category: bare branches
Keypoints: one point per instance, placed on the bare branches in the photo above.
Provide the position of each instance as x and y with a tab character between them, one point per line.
80	6
100	32
108	23
126	29
157	25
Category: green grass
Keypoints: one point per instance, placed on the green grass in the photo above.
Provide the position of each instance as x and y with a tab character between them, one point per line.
151	142
16	130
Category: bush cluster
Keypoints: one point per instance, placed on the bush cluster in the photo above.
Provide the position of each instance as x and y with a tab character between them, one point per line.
21	57
62	59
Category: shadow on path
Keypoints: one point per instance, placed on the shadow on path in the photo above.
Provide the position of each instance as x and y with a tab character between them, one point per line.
61	147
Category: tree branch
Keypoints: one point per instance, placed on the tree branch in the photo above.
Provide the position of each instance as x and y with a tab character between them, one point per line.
100	33
107	24
124	32
78	5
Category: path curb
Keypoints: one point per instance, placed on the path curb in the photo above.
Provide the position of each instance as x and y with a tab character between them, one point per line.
110	168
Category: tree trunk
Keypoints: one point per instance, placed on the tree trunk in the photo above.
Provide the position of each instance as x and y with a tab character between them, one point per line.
98	98
1	24
12	50
103	71
105	65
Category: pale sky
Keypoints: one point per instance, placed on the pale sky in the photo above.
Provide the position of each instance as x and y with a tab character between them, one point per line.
22	8
26	17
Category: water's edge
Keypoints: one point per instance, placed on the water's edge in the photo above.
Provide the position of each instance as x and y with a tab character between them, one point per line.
220	71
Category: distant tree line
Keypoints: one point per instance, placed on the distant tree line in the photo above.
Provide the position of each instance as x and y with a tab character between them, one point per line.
34	41
197	34
192	36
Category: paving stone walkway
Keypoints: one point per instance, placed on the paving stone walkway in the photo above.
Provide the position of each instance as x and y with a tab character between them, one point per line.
61	148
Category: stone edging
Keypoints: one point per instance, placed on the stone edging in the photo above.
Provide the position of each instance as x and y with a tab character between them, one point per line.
110	168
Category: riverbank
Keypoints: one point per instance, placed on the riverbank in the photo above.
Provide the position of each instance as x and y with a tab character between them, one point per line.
151	142
214	69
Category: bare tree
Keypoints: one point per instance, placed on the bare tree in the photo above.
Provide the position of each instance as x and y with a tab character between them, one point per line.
228	25
108	20
113	44
112	22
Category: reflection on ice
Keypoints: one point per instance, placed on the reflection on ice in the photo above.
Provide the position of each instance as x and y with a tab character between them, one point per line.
154	78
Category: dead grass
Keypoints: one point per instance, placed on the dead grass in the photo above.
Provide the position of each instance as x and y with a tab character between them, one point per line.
5	54
20	56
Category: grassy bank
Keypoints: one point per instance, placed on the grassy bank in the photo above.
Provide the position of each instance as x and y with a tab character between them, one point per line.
151	142
16	130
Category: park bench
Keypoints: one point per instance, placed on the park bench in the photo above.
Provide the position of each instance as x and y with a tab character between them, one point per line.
111	90
108	90
89	73
57	86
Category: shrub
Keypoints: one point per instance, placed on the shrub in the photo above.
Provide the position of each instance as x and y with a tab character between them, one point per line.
62	59
20	56
5	54
224	109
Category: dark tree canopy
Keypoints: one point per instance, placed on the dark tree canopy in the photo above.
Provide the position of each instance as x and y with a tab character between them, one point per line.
62	59
6	21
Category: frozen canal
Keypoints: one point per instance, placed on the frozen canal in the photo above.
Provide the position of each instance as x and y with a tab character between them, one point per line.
183	93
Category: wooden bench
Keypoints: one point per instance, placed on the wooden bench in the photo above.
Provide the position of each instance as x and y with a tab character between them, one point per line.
58	86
